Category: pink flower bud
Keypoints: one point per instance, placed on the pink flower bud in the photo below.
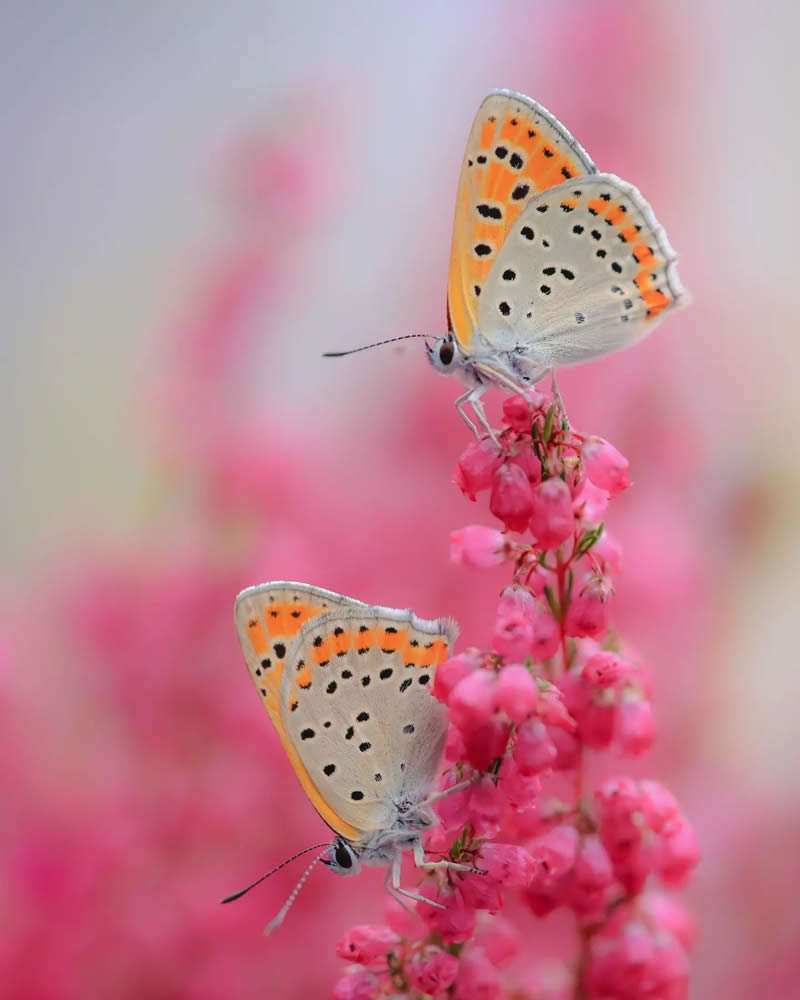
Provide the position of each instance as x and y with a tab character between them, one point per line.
477	978
449	673
587	615
456	922
666	914
659	805
552	711
546	636
518	414
597	721
679	855
555	852
604	669
526	459
485	807
454	747
516	692
592	502
432	970
507	864
471	701
511	497
534	751
477	547
501	940
481	892
367	944
356	984
634	728
453	809
605	466
593	869
568	749
520	790
552	520
477	466
513	630
485	743
608	551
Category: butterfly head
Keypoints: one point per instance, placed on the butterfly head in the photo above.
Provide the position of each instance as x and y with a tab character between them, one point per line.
342	858
445	355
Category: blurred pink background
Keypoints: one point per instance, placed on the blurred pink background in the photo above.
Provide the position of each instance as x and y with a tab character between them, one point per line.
198	200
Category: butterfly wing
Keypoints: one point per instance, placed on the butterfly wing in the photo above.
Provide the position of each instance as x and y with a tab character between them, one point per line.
516	150
586	269
356	708
268	618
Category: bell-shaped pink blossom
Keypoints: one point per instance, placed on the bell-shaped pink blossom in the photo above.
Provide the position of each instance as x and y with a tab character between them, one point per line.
519	790
526	459
476	468
511	500
485	743
485	807
453	670
471	701
634	727
367	944
453	809
587	614
356	984
456	922
593	868
513	629
500	939
432	970
605	466
552	519
516	692
679	854
477	546
518	414
604	669
508	864
534	751
546	635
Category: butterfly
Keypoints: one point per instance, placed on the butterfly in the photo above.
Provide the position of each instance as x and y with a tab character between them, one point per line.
346	686
551	264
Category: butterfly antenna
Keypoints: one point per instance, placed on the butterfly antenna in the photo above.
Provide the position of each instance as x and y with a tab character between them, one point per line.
278	920
379	343
236	895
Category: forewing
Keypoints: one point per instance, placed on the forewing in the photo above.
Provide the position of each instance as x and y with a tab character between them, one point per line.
268	618
585	270
516	150
355	704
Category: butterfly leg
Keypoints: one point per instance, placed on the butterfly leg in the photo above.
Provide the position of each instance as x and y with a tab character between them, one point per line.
449	791
454	866
396	891
472	396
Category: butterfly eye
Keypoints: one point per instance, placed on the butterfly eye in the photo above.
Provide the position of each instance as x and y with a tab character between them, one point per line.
446	352
344	859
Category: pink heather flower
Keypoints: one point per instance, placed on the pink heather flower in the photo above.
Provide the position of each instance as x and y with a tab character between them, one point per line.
454	749
605	466
511	500
471	701
518	414
568	749
500	939
519	789
534	751
634	728
454	670
587	614
608	552
477	546
666	914
485	807
481	892
604	669
679	855
367	944
453	809
516	692
555	852
552	520
356	984
513	630
592	502
551	709
658	804
476	467
477	978
432	970
507	864
546	636
455	923
485	743
593	869
525	458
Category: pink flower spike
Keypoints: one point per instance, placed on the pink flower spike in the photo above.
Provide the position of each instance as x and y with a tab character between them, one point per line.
587	615
432	970
552	520
507	864
634	728
454	670
511	497
477	978
367	944
471	701
513	630
516	692
477	466
605	466
356	984
478	547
